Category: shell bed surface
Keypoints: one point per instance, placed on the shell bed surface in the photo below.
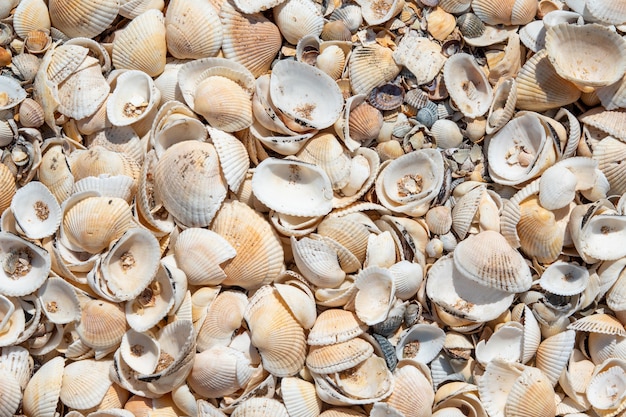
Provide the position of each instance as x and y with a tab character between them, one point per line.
312	208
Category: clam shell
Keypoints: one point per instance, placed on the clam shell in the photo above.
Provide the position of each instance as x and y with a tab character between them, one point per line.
135	99
503	105
7	187
59	301
553	354
36	211
119	186
85	383
467	85
31	15
299	397
296	182
42	392
31	113
140	351
219	371
102	324
598	323
84	91
223	318
260	256
609	152
376	292
349	14
504	344
275	333
564	278
363	75
376	13
13	324
191	196
325	151
338	357
455	6
25	266
420	342
98	160
193	29
249	39
296	19
600	400
255	6
13	393
12	93
609	121
317	261
257	407
508	12
540	232
335	326
531	395
83	18
440	23
141	45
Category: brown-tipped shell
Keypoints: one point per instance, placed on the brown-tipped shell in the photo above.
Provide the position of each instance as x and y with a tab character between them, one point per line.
102	324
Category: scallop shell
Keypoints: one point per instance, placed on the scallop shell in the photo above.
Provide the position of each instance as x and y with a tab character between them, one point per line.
440	23
467	85
305	188
141	45
249	39
260	257
85	383
258	406
7	187
509	12
420	342
193	29
275	333
338	357
25	266
335	326
541	234
349	14
12	93
553	354
363	75
585	64
297	18
84	91
31	15
609	153
299	397
36	211
83	18
13	393
31	113
42	392
219	371
224	317
102	324
531	395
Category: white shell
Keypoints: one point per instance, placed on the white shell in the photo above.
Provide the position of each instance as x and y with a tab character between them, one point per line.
59	301
11	93
375	295
25	266
564	278
134	99
36	211
421	342
467	85
140	351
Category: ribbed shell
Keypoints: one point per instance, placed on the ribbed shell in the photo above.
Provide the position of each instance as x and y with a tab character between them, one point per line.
189	183
42	392
507	12
540	88
598	323
553	354
335	326
218	372
141	45
193	29
223	103
371	66
260	253
318	262
338	357
223	318
610	153
299	397
275	333
102	324
17	282
412	391
83	92
541	236
98	160
31	15
260	407
532	395
348	233
249	39
298	18
488	259
83	18
7	187
85	383
11	393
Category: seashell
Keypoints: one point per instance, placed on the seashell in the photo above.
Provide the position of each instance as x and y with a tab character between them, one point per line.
470	25
299	397
606	12
335	326
608	121
192	197
133	8
447	134
553	354
83	385
42	392
96	49
363	75
420	342
70	16
325	151
223	318
531	395
300	182
11	93
7	187
257	406
564	278
533	35
249	39
409	183
37	213
13	325
386	97
338	357
30	16
455	6
31	113
599	399
10	386
349	14
193	29
134	100
458	295
199	252
440	23
507	269
318	263
219	371
375	296
505	344
260	256
154	301
351	234
84	91
512	12
336	30
255	6
375	13
37	41
141	45
140	351
296	19
280	340
539	86
408	277
513	165
609	152
503	106
541	235
25	266
467	85
360	123
59	300
102	324
583	38
331	60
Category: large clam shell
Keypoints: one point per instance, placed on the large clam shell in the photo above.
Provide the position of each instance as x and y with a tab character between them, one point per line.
467	84
43	390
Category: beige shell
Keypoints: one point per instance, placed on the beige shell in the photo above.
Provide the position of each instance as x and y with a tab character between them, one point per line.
102	324
298	18
335	326
141	45
258	406
83	92
249	39
338	357
325	151
376	13
36	211
193	29
375	296
260	255
59	301
299	397
42	392
191	196
85	383
224	317
507	12
7	187
317	261
577	56
13	393
219	371
364	75
467	85
440	23
98	160
275	333
412	389
495	264
25	265
83	18
134	100
30	15
609	152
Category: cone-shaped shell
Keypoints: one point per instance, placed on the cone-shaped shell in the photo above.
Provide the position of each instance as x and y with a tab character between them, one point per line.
496	264
83	18
25	266
540	88
36	211
189	183
275	333
579	54
85	383
259	251
467	85
335	326
199	252
141	45
102	324
249	39
42	392
193	29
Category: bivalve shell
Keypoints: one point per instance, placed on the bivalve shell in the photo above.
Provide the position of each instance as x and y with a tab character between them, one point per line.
43	390
193	29
83	18
298	18
37	213
467	85
25	266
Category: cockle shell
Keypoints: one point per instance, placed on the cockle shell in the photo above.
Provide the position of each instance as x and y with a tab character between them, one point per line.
376	13
299	397
509	12
134	99
37	213
141	45
296	19
83	18
339	356
223	318
42	392
102	324
31	15
85	383
325	151
25	265
219	371
317	261
193	29
59	301
31	113
335	326
82	93
363	76
11	93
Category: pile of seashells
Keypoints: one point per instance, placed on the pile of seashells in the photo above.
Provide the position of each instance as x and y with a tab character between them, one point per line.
312	208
